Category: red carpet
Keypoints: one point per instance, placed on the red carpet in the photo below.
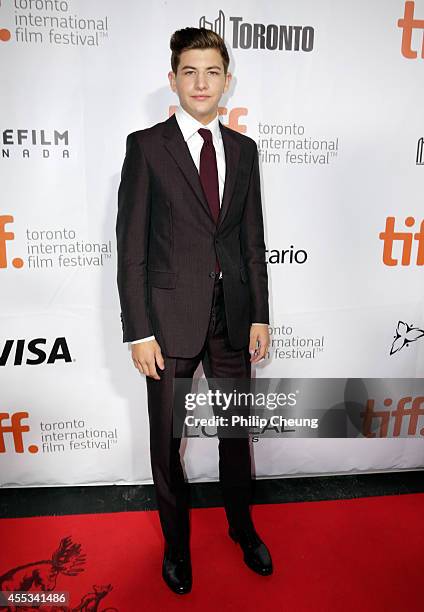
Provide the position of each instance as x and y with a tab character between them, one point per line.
361	554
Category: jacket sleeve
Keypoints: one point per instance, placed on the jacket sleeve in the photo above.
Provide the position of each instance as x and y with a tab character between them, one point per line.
132	233
253	246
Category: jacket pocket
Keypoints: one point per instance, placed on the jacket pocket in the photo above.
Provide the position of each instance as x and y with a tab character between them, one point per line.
161	278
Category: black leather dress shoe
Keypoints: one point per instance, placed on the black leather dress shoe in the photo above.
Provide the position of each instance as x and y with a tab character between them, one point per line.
256	554
176	571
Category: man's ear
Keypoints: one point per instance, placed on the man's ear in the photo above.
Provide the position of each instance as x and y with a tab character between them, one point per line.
171	77
228	78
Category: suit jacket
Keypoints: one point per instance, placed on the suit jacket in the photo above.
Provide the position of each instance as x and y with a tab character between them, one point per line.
167	241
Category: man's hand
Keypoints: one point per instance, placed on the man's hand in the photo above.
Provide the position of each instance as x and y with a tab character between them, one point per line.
259	342
145	356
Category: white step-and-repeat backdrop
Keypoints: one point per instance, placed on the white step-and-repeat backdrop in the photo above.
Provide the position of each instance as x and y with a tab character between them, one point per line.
332	93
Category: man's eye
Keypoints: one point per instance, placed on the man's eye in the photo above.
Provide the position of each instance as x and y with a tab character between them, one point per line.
210	72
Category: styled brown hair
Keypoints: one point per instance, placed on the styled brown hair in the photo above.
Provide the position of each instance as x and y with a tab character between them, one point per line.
196	38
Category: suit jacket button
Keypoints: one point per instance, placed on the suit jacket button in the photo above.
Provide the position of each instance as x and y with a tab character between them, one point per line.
212	274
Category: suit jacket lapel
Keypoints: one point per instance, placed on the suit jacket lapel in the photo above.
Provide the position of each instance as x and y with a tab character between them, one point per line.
232	158
177	147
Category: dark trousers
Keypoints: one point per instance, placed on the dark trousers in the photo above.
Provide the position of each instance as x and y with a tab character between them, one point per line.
219	360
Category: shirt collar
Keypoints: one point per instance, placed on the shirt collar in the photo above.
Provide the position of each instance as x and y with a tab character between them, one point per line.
189	125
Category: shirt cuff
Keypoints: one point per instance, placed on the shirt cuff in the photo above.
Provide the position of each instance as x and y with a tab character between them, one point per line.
142	340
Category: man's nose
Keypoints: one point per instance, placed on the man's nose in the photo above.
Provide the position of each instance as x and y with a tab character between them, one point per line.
201	82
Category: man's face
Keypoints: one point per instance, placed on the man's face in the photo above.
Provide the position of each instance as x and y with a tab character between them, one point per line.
200	82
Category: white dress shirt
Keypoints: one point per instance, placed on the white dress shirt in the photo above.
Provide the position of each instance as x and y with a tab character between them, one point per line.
189	127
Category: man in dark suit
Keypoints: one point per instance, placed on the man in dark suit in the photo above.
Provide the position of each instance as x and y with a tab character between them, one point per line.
193	282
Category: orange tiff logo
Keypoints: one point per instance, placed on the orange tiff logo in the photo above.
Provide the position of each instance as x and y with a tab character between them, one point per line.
17	262
405	238
408	24
12	424
400	413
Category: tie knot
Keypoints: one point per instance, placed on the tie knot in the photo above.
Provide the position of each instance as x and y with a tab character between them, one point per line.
205	134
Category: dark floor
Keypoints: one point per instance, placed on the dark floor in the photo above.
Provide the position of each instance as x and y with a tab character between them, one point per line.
55	501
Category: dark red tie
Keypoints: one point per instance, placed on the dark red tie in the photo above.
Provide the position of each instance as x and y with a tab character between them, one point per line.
208	172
